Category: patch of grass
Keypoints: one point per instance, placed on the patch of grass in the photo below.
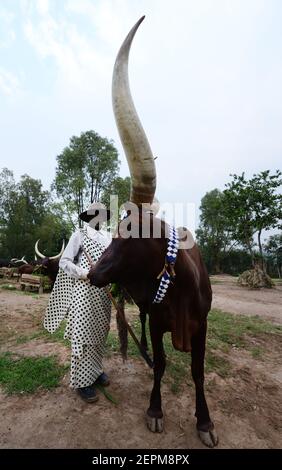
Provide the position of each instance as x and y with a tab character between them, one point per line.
216	363
8	287
57	336
28	374
25	338
177	366
226	330
257	353
30	293
19	292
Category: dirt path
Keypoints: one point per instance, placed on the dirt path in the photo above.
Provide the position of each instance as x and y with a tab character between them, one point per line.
229	297
246	407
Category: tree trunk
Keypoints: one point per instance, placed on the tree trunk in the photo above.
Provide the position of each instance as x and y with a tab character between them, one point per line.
92	191
217	265
80	209
260	251
251	252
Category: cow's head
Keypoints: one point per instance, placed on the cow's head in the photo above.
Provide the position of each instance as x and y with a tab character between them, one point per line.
134	253
45	260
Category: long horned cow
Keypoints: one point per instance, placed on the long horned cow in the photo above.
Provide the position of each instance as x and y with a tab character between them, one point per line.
137	263
49	263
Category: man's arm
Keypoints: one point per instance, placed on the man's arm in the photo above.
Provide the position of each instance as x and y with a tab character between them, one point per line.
67	260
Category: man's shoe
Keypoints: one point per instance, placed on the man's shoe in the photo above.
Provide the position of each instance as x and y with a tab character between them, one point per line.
103	380
88	394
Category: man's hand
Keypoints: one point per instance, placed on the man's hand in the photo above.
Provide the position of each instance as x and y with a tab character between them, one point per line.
84	276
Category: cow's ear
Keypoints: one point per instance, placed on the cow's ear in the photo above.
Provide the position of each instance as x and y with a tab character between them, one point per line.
186	238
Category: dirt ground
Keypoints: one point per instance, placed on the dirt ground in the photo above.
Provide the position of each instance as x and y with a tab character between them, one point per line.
229	297
245	407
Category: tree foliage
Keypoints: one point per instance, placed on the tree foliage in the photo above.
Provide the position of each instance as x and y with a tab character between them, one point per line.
26	215
239	215
252	206
119	187
85	170
273	250
213	234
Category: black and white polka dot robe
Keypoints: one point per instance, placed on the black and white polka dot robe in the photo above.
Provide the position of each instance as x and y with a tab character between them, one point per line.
88	312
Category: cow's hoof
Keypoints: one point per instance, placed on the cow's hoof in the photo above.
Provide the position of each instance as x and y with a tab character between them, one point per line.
209	438
155	424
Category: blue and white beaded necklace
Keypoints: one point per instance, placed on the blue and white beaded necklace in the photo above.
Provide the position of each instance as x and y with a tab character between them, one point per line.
166	277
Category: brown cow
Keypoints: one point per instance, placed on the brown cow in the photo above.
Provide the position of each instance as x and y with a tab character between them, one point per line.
50	264
136	263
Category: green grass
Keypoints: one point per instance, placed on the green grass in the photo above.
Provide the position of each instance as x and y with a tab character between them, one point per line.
257	353
8	287
19	292
25	338
57	336
225	331
28	374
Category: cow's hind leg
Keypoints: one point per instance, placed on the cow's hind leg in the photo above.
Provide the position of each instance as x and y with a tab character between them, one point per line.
205	426
154	412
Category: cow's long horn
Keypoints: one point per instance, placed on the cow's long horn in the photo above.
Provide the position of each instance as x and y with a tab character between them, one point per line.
135	143
61	252
50	257
40	255
16	260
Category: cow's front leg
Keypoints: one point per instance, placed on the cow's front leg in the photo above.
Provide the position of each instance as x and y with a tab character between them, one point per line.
154	412
205	426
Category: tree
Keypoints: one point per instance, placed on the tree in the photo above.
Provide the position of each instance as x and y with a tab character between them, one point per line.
252	206
27	213
24	210
238	212
266	203
7	186
86	168
121	188
52	231
213	236
273	248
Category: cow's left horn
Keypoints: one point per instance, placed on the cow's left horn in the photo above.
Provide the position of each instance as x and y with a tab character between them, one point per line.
135	143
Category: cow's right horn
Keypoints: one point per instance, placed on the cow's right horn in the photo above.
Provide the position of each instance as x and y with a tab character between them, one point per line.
135	143
40	255
61	252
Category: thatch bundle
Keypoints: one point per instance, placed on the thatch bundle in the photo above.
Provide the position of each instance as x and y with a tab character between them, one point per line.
255	279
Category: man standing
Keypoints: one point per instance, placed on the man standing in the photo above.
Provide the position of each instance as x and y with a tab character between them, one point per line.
87	308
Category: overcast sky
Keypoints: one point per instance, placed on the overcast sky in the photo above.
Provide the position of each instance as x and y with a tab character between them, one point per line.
206	79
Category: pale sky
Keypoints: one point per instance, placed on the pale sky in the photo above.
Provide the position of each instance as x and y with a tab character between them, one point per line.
206	79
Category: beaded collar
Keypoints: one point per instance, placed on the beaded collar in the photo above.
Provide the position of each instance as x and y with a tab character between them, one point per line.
166	277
